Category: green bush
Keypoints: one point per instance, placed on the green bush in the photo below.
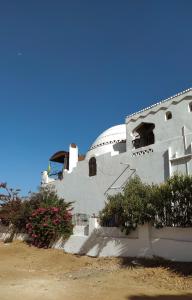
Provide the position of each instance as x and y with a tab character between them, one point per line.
113	213
173	201
131	208
167	204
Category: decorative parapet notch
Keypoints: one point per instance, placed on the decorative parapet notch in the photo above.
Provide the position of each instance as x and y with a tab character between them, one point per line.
129	117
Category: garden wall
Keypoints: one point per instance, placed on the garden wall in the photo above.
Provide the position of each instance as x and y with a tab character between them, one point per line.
146	241
172	243
5	234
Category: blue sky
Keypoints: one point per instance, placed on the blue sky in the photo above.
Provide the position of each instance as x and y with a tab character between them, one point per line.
71	69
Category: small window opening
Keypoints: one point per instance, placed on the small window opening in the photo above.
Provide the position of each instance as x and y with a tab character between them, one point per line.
190	107
92	166
144	135
168	115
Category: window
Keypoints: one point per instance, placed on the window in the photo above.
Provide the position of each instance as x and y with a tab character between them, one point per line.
190	107
92	166
143	135
168	116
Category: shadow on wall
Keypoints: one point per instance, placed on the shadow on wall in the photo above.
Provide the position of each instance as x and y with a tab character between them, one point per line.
94	243
166	165
189	149
166	161
180	268
161	297
120	147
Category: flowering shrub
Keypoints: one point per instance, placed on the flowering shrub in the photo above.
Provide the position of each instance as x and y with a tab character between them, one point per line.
47	224
44	216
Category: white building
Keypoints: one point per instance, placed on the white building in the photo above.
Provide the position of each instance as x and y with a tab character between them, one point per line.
153	143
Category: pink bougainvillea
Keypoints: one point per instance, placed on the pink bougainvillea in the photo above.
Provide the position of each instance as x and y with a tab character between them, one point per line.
46	224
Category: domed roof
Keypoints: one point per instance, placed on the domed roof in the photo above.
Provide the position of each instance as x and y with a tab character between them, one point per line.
110	141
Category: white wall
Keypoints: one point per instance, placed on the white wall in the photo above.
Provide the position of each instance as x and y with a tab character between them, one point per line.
153	164
5	234
73	157
170	243
168	137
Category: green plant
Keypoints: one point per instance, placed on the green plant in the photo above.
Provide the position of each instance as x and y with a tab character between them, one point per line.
166	204
131	208
173	201
113	212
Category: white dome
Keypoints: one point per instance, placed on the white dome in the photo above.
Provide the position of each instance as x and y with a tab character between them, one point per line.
112	140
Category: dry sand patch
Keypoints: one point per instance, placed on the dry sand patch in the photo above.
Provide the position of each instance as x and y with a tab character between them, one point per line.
30	273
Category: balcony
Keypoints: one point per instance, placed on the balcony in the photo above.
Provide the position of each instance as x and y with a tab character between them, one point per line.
143	141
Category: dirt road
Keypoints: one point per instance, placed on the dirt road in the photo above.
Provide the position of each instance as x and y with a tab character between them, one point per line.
28	273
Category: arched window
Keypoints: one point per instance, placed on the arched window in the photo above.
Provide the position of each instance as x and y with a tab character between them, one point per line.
92	166
168	116
190	107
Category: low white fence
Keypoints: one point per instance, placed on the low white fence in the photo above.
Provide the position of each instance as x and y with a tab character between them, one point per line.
146	241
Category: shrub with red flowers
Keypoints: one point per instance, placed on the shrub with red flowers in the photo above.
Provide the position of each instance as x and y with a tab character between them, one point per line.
49	217
47	224
44	216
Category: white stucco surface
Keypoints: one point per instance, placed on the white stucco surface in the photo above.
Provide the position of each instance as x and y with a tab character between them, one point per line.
169	243
73	157
105	142
117	161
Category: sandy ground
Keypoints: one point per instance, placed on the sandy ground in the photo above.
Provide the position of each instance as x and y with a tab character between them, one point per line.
28	273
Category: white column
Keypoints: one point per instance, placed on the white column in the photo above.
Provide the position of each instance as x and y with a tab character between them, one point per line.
73	157
44	177
169	157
